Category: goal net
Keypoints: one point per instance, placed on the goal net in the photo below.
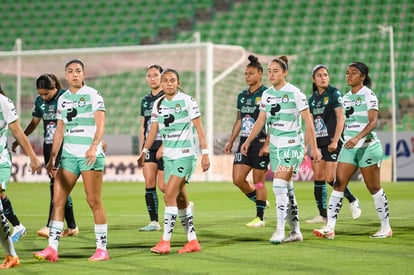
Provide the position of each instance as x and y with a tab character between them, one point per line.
213	74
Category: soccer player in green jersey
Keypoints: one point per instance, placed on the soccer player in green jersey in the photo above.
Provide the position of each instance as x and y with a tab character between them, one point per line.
177	117
281	108
9	122
325	105
80	126
257	158
49	90
362	149
153	167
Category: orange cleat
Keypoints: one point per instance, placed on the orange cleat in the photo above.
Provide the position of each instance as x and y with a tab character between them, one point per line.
191	246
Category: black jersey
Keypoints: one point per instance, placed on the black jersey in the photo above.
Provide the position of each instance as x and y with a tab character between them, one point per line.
323	108
146	111
248	105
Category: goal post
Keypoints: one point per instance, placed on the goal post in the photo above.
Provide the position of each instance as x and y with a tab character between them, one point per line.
119	74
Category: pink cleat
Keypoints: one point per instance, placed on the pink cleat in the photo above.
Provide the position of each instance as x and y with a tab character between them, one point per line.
163	247
100	255
191	246
49	253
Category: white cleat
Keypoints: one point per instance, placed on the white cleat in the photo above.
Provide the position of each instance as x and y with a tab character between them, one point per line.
355	209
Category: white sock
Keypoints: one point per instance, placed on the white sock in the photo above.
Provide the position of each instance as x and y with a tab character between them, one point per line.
282	203
5	236
55	230
101	234
187	221
293	211
334	206
170	216
381	205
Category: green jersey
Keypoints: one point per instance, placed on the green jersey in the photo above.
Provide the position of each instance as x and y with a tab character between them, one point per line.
248	105
77	112
8	114
46	110
283	108
322	108
174	118
147	103
356	107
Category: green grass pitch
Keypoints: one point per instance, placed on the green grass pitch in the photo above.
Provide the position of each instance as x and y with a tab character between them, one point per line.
229	247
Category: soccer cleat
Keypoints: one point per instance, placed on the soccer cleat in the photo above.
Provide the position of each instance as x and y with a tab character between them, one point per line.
43	232
152	226
10	262
277	237
317	219
355	209
68	232
191	246
99	255
256	222
267	204
49	253
163	247
18	232
381	234
324	232
293	237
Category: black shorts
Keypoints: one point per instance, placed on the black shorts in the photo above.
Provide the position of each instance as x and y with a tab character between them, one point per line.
252	159
151	157
329	156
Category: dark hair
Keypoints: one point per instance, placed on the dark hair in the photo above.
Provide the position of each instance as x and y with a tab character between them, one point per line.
77	61
2	91
364	70
314	70
254	62
48	82
283	61
168	70
158	67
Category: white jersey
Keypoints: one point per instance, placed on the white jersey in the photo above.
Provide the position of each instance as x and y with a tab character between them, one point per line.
174	118
356	107
8	115
77	112
283	108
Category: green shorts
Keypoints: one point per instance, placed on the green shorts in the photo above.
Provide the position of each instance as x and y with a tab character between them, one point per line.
362	157
287	157
182	167
76	165
5	173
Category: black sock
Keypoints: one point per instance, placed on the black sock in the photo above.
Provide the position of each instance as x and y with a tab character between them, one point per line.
252	196
69	216
9	212
260	207
348	195
151	200
319	192
51	202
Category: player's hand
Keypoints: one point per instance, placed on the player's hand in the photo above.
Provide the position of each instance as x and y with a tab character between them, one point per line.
227	148
14	146
351	143
35	165
141	159
205	162
332	146
264	151
90	155
244	148
316	155
159	153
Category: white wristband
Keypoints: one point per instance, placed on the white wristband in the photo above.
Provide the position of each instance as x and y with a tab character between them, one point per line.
144	150
204	151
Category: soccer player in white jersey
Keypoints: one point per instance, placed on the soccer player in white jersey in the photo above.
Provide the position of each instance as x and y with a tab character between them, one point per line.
80	126
362	149
9	122
176	115
281	109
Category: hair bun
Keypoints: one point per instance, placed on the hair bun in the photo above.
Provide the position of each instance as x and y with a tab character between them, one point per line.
253	59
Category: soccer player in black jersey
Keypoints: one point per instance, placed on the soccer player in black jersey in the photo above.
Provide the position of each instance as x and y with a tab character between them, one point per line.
257	158
325	105
153	168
